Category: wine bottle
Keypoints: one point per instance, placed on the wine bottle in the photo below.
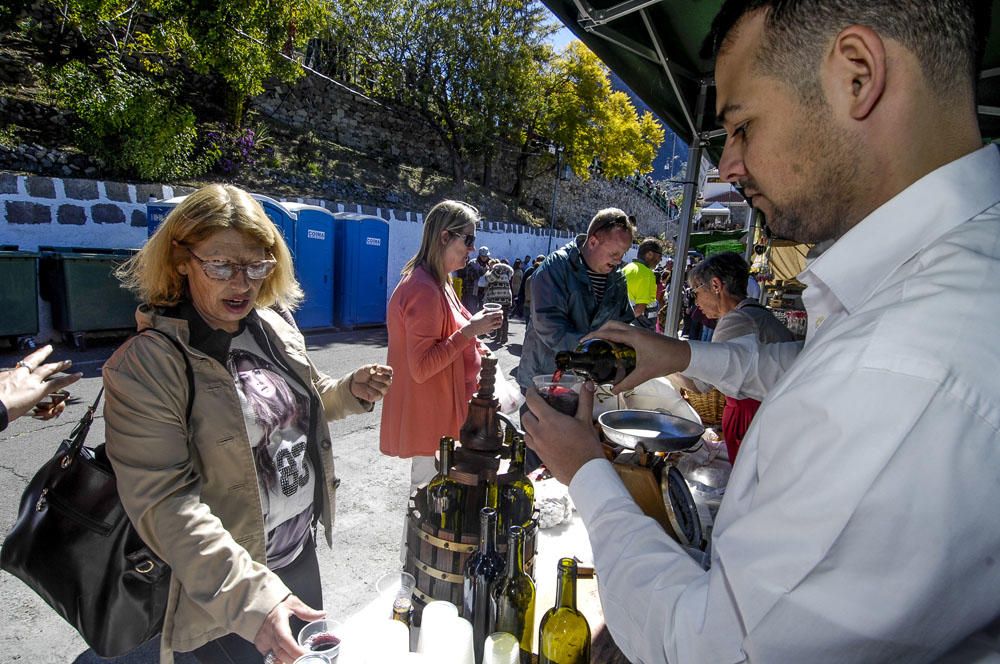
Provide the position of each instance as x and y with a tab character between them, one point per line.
514	595
517	493
483	570
564	635
599	360
445	496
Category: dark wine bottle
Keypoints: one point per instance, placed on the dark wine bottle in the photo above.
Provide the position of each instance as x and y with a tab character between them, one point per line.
445	496
483	570
599	360
564	635
517	493
514	595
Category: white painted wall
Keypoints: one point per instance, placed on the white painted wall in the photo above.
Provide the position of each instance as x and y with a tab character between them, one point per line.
508	241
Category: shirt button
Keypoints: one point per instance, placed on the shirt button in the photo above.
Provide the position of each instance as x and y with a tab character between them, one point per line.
325	443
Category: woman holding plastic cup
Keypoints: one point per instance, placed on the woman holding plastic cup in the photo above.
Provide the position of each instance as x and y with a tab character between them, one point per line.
433	348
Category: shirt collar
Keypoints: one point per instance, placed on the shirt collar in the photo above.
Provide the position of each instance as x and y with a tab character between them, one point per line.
203	337
905	224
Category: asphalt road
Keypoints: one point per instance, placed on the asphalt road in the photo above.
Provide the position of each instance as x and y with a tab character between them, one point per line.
371	501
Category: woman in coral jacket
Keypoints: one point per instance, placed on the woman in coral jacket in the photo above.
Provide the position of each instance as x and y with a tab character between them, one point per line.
432	343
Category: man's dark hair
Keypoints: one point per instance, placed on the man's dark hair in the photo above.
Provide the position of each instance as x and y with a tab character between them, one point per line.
947	36
729	267
650	244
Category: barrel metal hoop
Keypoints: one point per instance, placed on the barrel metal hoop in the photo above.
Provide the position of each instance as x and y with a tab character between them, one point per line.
445	544
439	574
426	599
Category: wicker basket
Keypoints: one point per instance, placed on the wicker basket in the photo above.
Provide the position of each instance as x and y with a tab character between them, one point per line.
709	405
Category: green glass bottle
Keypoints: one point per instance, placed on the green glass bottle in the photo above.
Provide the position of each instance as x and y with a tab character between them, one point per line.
483	570
514	595
564	635
599	360
517	493
445	496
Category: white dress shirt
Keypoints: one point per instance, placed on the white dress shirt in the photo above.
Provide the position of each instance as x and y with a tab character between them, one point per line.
860	523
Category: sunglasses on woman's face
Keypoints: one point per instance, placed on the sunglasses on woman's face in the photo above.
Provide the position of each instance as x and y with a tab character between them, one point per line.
469	239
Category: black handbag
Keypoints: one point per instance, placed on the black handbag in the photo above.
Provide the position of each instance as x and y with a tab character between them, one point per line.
73	544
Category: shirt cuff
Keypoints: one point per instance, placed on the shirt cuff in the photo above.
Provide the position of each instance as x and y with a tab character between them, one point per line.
593	486
708	361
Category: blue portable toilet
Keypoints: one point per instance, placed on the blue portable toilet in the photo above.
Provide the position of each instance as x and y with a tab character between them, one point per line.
362	259
157	211
314	263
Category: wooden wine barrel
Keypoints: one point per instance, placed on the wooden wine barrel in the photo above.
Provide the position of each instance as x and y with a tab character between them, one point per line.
436	558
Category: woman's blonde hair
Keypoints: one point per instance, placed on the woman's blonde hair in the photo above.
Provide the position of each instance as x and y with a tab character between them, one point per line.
450	216
152	273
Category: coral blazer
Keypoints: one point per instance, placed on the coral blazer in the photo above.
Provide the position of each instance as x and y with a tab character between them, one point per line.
428	398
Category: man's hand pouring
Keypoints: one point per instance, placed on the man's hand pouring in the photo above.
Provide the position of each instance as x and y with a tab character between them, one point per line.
655	354
564	443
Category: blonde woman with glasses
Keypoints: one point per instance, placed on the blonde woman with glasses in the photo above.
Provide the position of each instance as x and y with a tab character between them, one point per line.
226	491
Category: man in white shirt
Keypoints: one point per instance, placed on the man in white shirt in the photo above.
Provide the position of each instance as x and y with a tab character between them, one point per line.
859	523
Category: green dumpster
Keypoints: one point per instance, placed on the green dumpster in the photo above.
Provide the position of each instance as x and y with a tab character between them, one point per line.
85	295
19	295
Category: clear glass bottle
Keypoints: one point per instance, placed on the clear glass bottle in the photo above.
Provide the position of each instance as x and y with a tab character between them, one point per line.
445	496
599	360
483	570
564	635
514	595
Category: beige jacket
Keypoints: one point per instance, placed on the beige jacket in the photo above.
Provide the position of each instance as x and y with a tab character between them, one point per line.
190	487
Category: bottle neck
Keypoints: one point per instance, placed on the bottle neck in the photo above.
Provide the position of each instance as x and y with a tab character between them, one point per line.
566	592
492	495
446	450
515	553
488	534
517	454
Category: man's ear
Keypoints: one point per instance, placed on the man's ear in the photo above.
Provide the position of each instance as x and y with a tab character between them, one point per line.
856	71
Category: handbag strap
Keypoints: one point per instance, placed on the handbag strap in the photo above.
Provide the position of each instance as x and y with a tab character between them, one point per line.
79	434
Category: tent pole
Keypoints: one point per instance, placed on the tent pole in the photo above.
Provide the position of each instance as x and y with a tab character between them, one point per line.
750	236
677	277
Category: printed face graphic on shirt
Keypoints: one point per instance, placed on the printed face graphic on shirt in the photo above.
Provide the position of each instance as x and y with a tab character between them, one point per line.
257	380
280	419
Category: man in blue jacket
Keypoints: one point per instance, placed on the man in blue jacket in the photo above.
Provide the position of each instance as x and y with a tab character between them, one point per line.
576	290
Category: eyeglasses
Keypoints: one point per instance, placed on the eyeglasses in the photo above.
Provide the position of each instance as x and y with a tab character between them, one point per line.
695	289
468	238
226	270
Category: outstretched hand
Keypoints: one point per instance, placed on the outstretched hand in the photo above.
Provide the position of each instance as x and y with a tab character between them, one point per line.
564	443
371	382
31	381
655	354
275	635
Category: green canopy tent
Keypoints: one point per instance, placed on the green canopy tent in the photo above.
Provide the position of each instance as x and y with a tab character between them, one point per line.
653	46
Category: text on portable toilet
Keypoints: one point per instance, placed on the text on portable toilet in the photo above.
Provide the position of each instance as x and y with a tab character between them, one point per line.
315	235
373	241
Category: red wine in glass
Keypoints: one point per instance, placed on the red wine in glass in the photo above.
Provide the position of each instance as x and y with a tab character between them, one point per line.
322	642
563	399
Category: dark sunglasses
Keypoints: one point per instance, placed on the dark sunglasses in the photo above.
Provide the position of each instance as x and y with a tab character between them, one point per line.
468	239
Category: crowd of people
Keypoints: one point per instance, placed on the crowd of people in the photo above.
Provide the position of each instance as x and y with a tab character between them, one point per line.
857	522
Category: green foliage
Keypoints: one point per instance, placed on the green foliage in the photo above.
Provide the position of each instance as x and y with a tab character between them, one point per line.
244	42
465	67
592	121
133	125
